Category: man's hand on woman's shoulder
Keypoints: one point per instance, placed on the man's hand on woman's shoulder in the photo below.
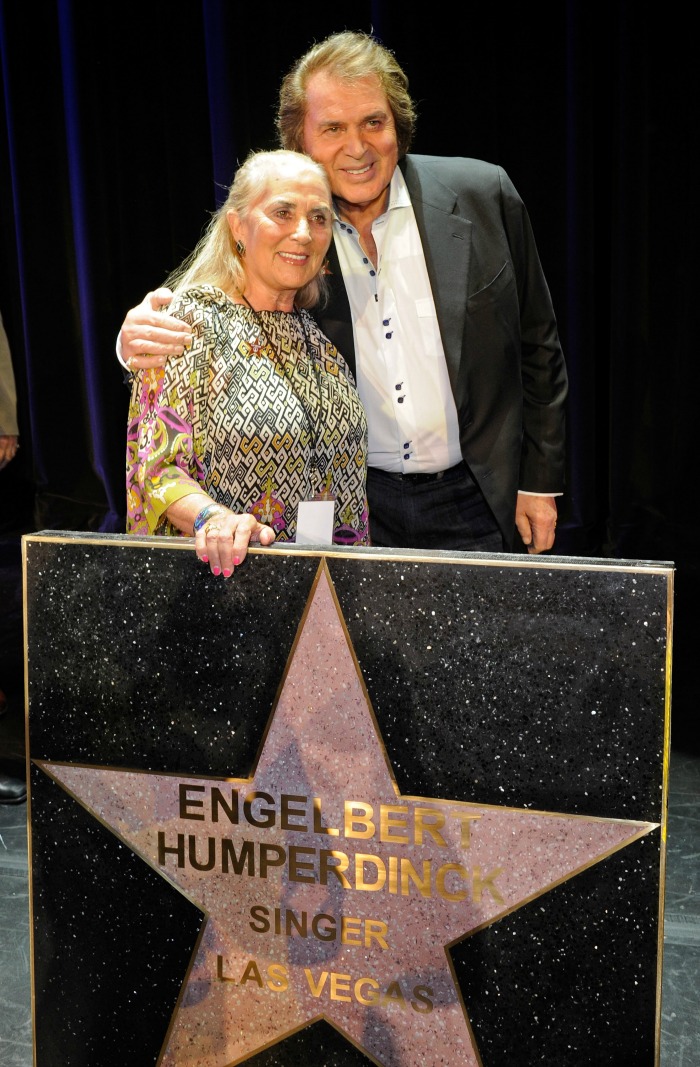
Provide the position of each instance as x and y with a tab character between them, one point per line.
149	336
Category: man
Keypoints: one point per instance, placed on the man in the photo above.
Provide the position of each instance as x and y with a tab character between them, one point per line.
12	790
440	306
9	432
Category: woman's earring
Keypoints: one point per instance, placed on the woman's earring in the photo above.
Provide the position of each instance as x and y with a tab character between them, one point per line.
240	248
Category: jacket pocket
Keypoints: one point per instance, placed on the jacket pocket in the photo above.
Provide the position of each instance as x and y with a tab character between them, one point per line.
493	290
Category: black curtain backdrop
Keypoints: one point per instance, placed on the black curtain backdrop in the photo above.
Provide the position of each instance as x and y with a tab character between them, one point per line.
123	123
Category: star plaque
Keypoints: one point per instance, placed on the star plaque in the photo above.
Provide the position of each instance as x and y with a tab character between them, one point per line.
325	892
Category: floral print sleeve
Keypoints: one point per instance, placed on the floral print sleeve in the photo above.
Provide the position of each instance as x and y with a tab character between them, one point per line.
163	462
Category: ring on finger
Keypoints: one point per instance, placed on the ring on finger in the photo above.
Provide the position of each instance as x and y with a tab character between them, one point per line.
211	527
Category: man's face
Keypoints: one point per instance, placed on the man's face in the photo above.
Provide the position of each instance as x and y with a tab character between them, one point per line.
350	130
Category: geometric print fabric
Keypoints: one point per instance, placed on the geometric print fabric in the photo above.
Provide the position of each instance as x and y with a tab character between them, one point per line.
258	434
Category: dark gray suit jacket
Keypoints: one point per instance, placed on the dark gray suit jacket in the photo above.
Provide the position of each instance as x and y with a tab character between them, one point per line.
497	325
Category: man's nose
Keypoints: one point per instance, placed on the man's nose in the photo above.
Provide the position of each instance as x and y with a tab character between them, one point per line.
354	144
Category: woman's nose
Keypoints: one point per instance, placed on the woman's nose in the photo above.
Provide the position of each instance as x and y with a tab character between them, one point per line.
302	232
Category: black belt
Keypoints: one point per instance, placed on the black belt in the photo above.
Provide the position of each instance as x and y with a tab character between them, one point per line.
417	478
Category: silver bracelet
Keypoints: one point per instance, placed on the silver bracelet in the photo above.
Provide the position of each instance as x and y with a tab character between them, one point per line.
207	510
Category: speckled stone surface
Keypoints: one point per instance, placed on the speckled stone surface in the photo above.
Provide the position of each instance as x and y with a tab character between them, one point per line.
492	729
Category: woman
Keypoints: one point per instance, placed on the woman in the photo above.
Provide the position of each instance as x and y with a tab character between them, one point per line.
261	414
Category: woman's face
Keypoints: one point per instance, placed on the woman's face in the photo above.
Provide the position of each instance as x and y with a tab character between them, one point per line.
286	234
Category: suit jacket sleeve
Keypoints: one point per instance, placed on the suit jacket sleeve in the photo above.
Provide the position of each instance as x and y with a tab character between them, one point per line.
544	377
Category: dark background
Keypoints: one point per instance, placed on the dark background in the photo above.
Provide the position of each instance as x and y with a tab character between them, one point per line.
123	123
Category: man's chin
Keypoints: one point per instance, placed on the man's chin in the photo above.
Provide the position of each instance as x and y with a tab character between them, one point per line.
359	194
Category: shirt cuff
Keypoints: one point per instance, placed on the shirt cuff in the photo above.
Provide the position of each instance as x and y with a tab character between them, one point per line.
529	492
118	348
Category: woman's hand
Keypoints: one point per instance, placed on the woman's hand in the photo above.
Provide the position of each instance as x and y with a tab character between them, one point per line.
223	540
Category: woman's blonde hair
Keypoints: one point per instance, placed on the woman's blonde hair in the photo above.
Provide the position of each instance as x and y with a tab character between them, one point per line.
216	260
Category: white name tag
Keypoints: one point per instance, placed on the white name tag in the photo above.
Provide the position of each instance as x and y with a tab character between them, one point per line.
315	522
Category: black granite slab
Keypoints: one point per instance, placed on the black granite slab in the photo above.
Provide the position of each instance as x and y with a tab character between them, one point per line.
524	682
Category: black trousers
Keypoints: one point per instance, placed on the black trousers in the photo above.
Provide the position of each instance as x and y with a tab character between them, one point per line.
445	510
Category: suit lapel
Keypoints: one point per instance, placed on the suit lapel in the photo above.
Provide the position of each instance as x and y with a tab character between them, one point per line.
335	318
447	244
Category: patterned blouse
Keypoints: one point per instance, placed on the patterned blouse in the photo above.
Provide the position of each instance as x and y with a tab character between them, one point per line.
258	430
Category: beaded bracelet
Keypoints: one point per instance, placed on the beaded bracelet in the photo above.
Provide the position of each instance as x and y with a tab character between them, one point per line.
207	510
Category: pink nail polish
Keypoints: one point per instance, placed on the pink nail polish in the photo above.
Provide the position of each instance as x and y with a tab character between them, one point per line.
204	559
236	561
227	574
216	570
